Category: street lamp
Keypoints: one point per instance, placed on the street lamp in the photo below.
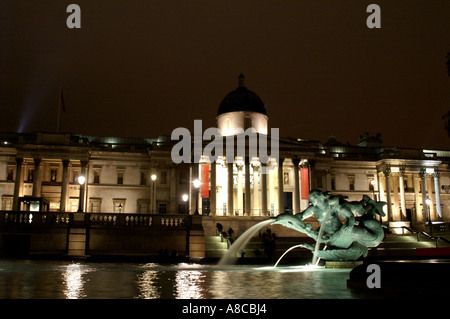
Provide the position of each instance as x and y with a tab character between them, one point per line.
153	177
428	201
197	184
185	198
81	180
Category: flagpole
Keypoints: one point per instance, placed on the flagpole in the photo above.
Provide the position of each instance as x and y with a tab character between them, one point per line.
59	110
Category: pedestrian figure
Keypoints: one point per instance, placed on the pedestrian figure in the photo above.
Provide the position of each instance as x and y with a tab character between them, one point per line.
219	228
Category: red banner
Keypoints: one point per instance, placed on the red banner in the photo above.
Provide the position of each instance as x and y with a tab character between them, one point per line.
204	175
304	179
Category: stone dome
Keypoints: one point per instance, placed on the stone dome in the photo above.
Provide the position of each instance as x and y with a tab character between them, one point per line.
241	99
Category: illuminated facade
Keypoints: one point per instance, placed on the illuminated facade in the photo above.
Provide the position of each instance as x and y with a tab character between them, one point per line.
39	169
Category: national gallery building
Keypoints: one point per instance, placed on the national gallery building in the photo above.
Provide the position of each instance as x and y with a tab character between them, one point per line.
40	172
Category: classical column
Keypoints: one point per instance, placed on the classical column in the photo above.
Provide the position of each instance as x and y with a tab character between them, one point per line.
213	192
248	203
297	208
424	193
37	178
230	205
437	191
417	211
387	172
240	192
401	176
18	179
256	204
64	185
280	187
264	189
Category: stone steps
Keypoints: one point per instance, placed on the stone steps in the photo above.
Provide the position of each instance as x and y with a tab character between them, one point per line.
77	242
393	245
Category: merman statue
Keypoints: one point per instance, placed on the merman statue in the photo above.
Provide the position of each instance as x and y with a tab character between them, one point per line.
348	228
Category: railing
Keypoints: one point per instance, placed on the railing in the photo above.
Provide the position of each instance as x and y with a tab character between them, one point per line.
93	219
436	238
253	212
34	218
143	220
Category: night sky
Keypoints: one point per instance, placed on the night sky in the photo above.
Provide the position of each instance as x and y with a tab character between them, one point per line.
143	68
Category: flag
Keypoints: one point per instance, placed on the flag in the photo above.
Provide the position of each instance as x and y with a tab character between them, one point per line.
204	175
304	179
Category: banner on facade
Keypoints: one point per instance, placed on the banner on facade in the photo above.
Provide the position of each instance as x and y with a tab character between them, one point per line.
304	179
204	175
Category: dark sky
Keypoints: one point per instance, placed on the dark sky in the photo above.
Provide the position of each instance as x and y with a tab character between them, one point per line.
143	68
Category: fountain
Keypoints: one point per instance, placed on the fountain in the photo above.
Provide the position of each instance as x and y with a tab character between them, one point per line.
346	229
240	243
347	240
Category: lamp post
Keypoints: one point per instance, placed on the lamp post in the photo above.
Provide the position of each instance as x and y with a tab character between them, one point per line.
185	198
197	184
81	180
153	177
428	202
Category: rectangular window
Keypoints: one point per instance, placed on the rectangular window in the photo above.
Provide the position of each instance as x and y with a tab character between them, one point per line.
96	177
247	123
162	208
142	206
143	178
333	182
119	205
120	178
351	182
74	205
10	175
95	205
7	203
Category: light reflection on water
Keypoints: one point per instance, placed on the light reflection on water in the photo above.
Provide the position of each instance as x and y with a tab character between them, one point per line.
22	279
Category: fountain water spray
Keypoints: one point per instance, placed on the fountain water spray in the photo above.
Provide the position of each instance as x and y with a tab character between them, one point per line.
240	243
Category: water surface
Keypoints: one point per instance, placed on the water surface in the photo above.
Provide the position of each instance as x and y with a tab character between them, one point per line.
38	279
